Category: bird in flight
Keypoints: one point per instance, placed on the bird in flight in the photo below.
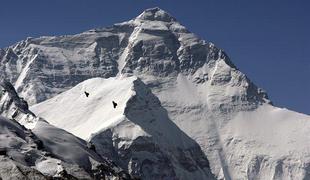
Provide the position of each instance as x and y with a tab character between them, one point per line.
86	93
114	104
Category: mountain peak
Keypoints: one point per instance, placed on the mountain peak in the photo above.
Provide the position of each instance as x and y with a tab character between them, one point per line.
156	14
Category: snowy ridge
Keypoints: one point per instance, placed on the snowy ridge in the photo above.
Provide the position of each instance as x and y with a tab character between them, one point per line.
140	132
93	112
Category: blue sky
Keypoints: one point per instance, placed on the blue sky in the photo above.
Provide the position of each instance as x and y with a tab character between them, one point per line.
267	39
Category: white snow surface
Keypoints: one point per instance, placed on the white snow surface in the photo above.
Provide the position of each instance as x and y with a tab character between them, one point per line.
84	116
270	139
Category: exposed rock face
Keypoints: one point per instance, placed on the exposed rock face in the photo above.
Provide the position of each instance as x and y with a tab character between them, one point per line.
14	107
198	86
18	152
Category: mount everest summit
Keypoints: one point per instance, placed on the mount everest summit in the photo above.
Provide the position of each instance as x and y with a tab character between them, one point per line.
184	110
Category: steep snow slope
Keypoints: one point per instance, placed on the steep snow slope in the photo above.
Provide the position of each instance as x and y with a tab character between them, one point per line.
44	151
197	84
137	134
274	141
89	114
224	119
240	144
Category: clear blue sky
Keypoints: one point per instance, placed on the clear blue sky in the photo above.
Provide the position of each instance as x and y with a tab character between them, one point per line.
267	39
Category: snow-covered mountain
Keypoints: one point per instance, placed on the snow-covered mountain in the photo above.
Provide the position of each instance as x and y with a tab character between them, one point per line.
190	86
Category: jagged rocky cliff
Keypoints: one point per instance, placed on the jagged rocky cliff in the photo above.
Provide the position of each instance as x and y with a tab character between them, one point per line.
241	133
